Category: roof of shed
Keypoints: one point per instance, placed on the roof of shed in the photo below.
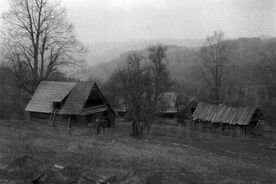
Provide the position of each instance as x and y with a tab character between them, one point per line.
223	114
48	92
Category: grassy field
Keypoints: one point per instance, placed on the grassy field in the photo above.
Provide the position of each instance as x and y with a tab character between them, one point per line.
170	154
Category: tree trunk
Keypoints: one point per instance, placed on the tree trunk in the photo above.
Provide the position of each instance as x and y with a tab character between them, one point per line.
137	129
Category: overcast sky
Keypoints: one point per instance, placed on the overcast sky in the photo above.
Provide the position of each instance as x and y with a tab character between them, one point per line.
123	20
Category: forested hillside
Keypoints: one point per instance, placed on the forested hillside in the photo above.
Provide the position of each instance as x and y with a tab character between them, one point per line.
182	60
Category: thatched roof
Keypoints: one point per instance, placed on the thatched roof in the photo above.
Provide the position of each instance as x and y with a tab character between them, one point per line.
224	114
72	95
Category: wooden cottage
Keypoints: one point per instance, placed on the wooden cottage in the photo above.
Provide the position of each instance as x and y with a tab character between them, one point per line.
166	105
69	103
243	119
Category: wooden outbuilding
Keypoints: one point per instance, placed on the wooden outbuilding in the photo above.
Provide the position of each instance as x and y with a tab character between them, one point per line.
240	119
69	103
166	106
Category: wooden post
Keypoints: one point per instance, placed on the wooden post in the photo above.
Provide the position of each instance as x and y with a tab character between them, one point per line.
69	122
243	131
28	116
86	121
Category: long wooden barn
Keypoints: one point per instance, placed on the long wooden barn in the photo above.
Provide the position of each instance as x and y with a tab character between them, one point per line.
242	118
69	103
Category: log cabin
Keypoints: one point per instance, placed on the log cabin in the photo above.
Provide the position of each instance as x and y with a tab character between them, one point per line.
69	104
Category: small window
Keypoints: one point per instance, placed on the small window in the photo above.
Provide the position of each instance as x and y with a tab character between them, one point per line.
57	105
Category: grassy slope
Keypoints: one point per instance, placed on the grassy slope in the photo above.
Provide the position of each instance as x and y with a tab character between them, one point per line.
181	157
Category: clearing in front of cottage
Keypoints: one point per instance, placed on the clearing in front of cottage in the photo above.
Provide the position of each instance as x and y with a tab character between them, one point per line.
170	154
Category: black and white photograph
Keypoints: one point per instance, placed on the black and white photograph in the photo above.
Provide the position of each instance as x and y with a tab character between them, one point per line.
137	91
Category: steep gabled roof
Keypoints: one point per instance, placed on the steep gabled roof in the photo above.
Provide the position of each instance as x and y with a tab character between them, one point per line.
77	98
73	96
223	114
48	92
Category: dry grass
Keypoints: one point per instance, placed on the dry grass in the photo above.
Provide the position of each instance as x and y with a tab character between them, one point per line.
170	153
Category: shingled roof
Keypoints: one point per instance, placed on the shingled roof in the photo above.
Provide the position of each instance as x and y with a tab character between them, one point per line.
224	114
48	92
77	98
73	95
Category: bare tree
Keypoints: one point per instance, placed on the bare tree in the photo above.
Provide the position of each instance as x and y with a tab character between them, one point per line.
135	82
111	89
38	41
160	79
140	83
214	57
268	58
267	66
157	57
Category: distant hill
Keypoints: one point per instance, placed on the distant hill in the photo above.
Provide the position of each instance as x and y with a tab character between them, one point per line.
181	56
107	51
178	58
104	58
